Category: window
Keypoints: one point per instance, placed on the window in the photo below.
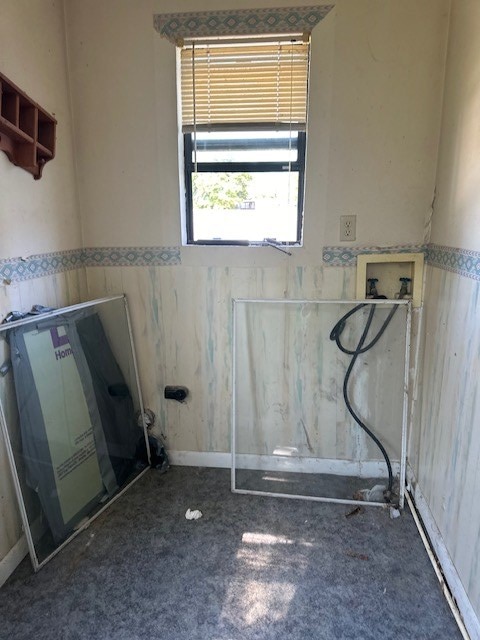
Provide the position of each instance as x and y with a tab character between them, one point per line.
244	107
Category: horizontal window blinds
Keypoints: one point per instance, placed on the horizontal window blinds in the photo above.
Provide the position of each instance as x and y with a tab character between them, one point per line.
255	83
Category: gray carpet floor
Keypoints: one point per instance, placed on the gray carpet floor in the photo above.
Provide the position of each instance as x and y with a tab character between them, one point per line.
251	568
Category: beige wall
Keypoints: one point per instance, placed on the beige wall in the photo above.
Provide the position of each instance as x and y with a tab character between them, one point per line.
376	81
36	216
457	206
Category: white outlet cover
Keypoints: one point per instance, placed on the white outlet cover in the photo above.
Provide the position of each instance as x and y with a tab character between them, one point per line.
348	228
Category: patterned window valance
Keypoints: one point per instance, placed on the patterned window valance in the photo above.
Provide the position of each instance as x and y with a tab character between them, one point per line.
177	27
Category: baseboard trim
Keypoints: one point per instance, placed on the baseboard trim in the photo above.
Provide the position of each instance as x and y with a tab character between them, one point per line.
370	469
13	558
450	574
200	459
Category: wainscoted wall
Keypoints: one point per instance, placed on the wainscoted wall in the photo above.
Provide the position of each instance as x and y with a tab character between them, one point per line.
446	441
182	324
182	315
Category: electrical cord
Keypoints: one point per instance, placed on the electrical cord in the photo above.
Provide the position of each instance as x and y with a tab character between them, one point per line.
335	334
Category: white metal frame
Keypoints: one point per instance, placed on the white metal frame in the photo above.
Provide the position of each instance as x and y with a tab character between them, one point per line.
403	452
11	457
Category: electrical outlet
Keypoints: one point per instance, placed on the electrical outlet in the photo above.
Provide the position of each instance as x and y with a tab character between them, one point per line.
348	228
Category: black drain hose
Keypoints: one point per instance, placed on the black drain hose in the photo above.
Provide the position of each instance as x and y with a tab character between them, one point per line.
360	348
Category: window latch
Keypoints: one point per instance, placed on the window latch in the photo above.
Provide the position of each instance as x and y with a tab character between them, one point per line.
271	242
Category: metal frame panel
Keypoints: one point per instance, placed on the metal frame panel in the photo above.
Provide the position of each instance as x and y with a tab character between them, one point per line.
382	302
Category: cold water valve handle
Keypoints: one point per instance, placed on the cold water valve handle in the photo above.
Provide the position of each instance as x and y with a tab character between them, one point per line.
404	287
372	287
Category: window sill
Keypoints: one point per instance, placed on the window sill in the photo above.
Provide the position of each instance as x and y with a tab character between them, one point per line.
243	243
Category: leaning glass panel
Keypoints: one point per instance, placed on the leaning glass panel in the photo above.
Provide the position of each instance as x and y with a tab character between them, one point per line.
313	382
70	412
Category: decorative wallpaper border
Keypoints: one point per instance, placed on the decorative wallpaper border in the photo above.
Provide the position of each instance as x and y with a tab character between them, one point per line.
197	24
47	264
347	256
464	262
39	265
131	256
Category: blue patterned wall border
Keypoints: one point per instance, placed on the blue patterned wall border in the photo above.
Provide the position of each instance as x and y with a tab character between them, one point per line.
461	261
131	256
347	256
47	264
197	24
42	264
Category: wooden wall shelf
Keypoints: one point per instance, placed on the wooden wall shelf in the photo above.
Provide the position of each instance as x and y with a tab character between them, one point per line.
27	132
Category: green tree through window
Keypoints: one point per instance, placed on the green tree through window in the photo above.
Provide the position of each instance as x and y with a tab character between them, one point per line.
220	190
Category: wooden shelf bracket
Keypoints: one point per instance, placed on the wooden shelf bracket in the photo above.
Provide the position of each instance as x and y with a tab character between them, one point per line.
27	131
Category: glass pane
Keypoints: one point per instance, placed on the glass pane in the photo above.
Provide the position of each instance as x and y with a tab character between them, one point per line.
293	432
246	146
245	206
70	401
